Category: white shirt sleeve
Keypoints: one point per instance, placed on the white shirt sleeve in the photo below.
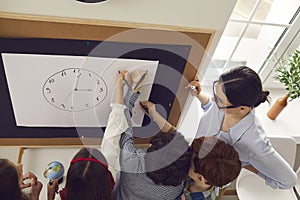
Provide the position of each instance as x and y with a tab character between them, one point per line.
117	124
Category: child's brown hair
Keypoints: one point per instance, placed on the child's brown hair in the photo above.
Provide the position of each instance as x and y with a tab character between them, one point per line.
217	161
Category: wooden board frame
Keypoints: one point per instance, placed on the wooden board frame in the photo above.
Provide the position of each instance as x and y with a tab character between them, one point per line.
30	26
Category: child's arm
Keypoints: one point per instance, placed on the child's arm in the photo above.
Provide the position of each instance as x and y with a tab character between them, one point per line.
117	124
149	108
131	158
36	188
52	189
120	88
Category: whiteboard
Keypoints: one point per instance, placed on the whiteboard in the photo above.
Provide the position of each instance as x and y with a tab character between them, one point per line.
69	91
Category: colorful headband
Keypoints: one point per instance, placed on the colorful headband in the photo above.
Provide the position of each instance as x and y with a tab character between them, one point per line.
112	182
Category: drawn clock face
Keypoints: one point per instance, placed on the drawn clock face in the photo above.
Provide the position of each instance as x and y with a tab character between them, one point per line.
74	89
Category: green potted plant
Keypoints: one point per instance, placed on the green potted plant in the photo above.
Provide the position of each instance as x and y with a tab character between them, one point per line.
288	73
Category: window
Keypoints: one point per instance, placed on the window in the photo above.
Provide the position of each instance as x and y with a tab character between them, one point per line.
253	34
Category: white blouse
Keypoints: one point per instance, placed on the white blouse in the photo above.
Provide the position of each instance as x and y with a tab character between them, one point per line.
117	124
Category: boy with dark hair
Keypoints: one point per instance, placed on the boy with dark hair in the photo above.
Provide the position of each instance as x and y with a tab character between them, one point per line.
176	168
214	164
154	173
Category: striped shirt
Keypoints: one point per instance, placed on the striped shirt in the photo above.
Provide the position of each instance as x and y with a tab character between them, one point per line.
133	181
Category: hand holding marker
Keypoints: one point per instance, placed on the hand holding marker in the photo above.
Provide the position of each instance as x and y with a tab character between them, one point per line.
191	87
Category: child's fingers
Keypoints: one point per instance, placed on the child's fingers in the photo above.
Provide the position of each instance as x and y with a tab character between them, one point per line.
148	104
148	107
122	72
56	186
36	187
28	175
33	181
25	185
39	185
53	182
53	186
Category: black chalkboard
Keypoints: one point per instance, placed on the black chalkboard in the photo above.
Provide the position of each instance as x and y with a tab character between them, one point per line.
173	56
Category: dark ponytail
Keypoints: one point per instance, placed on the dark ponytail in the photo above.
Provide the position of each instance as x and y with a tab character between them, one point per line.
263	98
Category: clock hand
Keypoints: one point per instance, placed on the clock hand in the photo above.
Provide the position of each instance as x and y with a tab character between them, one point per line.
77	81
79	90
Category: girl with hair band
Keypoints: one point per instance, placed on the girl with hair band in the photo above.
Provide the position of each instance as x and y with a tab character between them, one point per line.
231	117
88	177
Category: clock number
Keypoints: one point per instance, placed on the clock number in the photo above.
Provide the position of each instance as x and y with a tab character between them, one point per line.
98	82
101	89
63	73
52	80
48	90
52	100
76	70
63	105
97	99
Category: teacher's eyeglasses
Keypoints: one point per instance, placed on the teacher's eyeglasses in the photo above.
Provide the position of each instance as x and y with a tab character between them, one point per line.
218	100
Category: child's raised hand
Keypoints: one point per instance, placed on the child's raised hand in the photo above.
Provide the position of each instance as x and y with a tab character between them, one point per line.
137	78
148	108
120	80
52	188
36	187
27	176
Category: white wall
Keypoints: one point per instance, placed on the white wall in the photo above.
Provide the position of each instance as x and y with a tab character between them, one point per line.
193	13
212	14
